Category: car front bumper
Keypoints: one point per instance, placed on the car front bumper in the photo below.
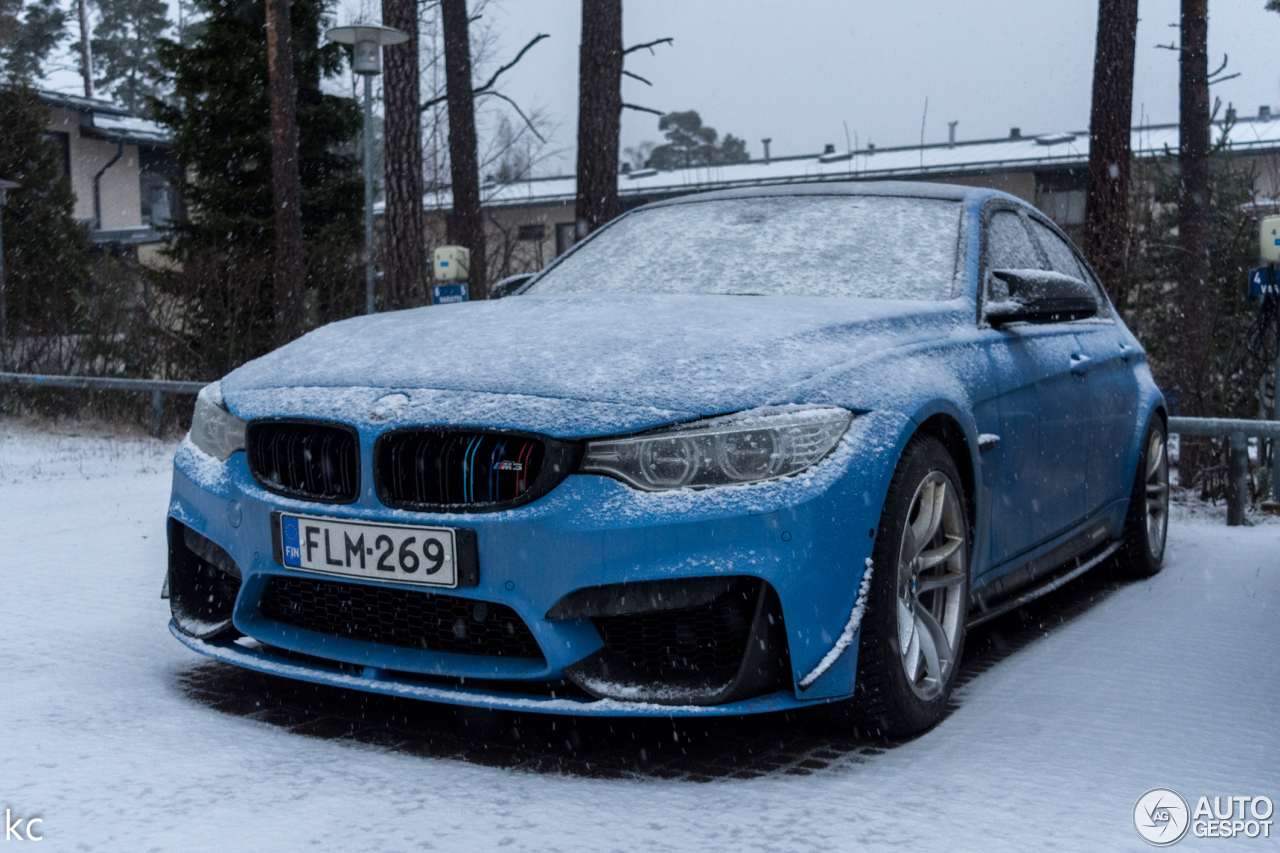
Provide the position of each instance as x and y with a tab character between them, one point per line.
808	537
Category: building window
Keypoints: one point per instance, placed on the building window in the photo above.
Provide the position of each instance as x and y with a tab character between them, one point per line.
1065	207
156	197
62	143
532	232
565	237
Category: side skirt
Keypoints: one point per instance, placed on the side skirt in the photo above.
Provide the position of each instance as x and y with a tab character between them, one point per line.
980	616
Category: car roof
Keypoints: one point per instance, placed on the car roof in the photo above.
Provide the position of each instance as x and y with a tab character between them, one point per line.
900	189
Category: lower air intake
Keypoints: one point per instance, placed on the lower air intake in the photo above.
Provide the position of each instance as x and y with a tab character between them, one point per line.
708	638
399	617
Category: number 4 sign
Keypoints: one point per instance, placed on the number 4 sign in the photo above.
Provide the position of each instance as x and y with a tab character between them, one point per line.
1264	282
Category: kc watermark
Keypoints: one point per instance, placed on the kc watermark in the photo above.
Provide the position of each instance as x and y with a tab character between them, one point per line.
13	828
1162	817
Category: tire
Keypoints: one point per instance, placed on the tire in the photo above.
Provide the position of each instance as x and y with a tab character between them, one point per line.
912	635
1146	525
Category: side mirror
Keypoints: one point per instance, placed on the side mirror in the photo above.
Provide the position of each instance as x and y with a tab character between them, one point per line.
1040	296
508	285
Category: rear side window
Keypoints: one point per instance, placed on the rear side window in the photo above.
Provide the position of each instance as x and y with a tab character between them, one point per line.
1061	258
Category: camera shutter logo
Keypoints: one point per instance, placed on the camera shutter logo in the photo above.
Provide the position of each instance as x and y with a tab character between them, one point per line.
1161	817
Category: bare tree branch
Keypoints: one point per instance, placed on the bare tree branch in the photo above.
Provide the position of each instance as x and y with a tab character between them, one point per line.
520	112
627	106
439	98
636	77
649	45
489	85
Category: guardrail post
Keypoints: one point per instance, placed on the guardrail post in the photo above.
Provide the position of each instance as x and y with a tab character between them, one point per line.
1237	478
157	411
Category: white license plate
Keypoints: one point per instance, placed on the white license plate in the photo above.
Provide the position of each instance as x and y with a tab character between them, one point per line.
389	552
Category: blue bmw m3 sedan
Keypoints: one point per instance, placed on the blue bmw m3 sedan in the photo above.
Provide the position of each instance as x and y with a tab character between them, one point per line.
736	452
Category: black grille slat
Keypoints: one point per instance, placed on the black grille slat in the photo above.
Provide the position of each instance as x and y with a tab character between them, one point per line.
399	617
434	467
313	461
696	639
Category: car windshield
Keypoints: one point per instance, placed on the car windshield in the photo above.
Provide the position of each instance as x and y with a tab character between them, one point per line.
867	246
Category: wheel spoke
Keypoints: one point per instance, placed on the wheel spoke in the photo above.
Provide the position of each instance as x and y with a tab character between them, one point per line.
1155	456
927	520
906	627
933	641
911	658
929	649
934	556
931	582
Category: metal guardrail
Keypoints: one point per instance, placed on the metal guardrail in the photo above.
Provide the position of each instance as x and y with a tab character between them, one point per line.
1224	426
157	387
1238	431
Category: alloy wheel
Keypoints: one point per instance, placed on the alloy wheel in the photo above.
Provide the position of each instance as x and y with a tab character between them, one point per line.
1157	493
931	585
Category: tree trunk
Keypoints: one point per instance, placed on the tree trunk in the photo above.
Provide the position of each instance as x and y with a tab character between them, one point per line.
1195	321
599	113
86	55
285	184
1106	222
404	223
466	226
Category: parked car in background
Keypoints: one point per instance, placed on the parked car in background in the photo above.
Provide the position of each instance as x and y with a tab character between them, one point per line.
509	285
737	452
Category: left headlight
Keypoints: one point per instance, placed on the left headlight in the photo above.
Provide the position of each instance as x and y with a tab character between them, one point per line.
213	428
747	447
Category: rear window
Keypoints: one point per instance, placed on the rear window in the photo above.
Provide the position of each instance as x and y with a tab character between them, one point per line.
863	246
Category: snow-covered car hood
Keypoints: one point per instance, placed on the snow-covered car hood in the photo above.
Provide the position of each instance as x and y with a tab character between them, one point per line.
577	365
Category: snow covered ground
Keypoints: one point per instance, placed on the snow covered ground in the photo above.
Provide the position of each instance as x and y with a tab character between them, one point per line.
118	738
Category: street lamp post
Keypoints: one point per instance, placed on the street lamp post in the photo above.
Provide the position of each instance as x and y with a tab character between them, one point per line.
5	186
367	62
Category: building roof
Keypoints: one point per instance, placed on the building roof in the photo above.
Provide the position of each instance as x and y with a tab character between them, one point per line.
985	156
108	120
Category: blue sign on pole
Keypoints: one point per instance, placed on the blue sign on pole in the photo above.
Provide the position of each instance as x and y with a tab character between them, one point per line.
442	294
1264	282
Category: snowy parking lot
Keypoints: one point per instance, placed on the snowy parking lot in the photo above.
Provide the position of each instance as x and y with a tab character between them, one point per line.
118	738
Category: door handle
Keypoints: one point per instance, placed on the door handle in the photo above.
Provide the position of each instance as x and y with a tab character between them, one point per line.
1126	353
1080	364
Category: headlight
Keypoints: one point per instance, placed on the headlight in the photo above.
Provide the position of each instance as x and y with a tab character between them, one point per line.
214	429
747	447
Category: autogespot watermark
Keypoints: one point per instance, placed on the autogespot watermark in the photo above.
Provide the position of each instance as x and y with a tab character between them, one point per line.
1162	817
13	827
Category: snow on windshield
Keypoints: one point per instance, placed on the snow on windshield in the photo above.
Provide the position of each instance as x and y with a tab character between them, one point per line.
870	246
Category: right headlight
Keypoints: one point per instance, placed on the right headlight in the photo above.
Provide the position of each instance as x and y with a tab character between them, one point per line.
747	447
213	428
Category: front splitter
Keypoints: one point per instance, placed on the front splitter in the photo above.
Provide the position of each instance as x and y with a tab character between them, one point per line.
387	684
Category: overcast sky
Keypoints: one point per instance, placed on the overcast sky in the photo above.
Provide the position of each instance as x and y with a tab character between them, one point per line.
796	71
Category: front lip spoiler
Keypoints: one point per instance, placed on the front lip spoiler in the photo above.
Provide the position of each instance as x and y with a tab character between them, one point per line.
388	685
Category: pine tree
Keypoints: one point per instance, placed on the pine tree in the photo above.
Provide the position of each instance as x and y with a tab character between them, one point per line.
46	255
691	143
1235	357
28	32
219	116
124	49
